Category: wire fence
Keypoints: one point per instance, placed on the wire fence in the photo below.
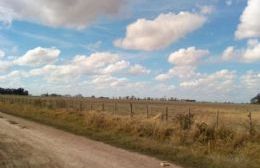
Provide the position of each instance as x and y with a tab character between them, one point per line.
236	115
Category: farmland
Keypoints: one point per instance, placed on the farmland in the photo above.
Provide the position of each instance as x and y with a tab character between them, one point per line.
190	134
233	115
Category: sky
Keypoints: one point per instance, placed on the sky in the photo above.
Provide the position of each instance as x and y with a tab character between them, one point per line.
208	50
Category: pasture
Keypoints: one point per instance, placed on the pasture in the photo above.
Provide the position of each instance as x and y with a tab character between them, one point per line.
231	115
199	135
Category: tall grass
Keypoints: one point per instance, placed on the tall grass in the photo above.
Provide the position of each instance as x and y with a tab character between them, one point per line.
184	139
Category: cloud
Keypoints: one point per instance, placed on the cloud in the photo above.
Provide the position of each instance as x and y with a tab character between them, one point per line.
150	35
206	10
220	86
182	72
218	80
2	54
99	63
13	76
188	56
118	66
249	26
96	62
105	81
6	15
185	62
228	53
56	73
38	56
250	54
59	13
163	77
4	65
251	80
138	70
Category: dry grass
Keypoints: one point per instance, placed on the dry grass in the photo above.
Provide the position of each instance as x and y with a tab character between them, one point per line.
190	141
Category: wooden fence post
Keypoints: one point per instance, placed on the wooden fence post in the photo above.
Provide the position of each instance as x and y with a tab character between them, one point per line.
147	111
103	107
217	119
131	110
67	105
166	113
80	106
189	115
251	129
115	108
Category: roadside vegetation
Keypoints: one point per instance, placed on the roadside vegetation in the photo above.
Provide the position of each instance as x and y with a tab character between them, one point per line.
187	139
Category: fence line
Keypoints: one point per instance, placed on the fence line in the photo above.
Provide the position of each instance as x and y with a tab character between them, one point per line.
82	105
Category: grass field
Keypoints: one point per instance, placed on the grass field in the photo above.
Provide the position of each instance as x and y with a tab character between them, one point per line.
199	135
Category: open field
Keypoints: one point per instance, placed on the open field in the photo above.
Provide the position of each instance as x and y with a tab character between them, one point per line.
199	135
233	115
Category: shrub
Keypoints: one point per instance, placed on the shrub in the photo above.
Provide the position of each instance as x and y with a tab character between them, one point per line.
185	120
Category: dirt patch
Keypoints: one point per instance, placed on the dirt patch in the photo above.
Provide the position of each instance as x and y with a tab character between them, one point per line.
15	154
12	122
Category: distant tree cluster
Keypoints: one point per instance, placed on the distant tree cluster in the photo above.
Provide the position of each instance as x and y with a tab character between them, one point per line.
119	98
256	100
154	99
51	95
9	91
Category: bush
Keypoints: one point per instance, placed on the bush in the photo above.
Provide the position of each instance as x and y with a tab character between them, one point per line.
185	120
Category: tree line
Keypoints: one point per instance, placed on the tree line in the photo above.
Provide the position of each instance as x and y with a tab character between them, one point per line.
11	91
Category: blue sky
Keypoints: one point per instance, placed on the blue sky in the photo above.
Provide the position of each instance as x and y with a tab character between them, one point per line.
203	50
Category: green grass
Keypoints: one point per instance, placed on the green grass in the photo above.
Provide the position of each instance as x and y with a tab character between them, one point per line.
201	146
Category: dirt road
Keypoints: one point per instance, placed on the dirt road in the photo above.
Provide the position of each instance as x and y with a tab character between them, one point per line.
28	144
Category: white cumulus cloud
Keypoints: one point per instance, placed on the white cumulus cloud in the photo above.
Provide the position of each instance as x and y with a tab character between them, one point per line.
116	67
218	80
185	62
99	63
249	21
138	70
38	56
187	56
149	35
220	85
250	54
105	81
228	53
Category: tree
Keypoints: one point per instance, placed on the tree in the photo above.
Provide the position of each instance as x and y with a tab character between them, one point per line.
19	91
256	99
